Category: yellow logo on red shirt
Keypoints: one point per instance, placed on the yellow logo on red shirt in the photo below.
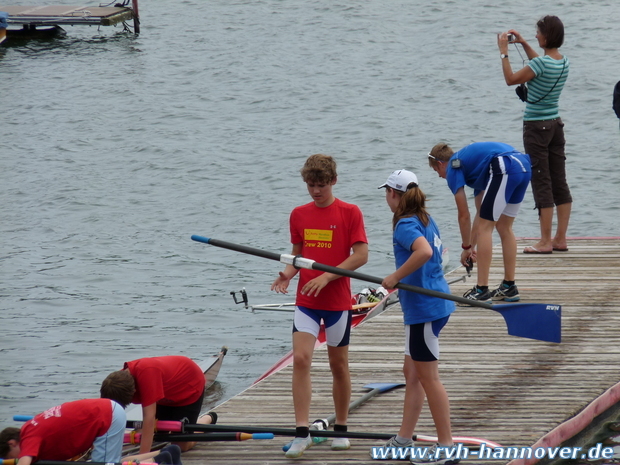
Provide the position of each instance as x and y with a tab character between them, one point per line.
318	235
321	238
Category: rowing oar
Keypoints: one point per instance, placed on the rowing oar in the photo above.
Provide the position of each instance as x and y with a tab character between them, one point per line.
542	322
61	462
135	438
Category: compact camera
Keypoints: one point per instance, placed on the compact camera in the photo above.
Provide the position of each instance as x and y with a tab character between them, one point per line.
511	37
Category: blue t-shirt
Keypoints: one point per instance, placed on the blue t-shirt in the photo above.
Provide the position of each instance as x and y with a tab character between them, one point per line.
420	308
474	162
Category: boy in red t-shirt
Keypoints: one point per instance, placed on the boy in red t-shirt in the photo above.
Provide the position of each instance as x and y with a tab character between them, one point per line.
325	230
169	388
69	430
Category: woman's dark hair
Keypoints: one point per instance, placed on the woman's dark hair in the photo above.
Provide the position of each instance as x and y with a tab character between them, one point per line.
552	28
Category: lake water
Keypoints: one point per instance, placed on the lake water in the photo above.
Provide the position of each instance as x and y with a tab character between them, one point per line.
117	148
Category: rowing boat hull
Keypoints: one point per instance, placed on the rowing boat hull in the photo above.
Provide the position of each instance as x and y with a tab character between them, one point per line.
357	319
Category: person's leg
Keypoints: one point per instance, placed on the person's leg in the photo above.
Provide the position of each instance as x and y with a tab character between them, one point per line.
337	334
209	418
537	136
341	389
303	349
305	331
509	246
562	197
484	250
544	245
423	346
490	206
438	402
414	399
563	212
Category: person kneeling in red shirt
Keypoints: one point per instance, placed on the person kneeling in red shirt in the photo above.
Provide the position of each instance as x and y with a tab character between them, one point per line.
169	388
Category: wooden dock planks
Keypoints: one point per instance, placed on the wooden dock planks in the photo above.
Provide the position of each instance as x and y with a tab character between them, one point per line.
507	389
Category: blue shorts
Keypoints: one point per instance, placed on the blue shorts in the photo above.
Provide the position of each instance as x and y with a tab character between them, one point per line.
337	324
505	191
422	340
108	446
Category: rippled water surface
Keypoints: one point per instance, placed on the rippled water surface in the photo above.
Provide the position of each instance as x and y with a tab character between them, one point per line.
116	149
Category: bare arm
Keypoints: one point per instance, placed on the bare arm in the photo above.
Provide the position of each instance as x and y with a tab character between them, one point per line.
465	225
529	51
463	216
422	252
148	427
526	73
280	285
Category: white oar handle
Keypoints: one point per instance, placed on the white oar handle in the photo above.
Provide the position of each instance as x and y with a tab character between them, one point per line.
297	261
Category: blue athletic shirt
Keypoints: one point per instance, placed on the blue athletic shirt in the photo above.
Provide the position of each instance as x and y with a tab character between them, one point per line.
474	163
548	71
420	308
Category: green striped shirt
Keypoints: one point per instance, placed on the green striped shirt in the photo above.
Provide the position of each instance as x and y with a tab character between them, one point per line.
548	71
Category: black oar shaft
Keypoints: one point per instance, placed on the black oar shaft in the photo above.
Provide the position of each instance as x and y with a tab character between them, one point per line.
278	432
237	247
403	286
340	271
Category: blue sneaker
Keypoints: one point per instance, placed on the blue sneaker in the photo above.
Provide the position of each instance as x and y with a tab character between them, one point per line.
506	293
478	295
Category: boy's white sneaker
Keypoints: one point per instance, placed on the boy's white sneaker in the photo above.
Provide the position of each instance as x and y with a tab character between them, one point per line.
298	446
341	444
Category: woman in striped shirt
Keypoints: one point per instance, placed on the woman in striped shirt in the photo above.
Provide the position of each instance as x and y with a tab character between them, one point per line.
543	129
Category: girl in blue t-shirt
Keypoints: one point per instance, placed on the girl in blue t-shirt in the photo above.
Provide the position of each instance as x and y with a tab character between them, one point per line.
418	254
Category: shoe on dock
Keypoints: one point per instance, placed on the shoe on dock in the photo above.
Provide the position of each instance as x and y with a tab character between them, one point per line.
340	444
298	446
479	295
506	293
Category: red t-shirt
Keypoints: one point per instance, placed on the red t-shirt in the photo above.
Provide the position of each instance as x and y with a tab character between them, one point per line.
63	432
327	235
173	380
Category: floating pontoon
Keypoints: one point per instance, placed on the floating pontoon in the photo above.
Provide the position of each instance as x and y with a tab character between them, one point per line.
32	17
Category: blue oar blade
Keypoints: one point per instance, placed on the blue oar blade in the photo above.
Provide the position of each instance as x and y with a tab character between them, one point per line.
542	322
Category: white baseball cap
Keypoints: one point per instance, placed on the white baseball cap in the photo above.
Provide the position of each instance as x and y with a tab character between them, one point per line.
401	180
